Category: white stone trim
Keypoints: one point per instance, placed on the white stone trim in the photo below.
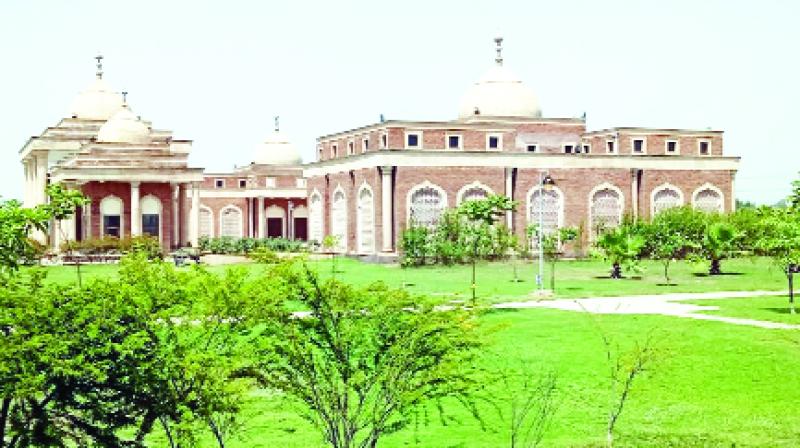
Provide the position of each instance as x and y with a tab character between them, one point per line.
300	211
342	241
499	136
614	144
643	138
462	190
211	226
423	184
240	230
460	137
520	160
160	213
420	140
321	217
664	186
365	186
271	193
600	187
677	147
528	203
121	215
712	187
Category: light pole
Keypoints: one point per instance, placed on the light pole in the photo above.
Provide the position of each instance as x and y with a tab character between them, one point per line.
546	184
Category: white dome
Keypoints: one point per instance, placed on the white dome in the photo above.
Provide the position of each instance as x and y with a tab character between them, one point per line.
98	102
276	150
499	93
124	127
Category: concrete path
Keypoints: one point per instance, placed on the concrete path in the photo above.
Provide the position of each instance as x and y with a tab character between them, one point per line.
664	304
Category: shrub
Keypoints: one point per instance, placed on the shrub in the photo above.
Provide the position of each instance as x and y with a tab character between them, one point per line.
264	255
227	245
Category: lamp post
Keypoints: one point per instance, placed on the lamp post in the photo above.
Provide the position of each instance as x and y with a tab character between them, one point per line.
546	183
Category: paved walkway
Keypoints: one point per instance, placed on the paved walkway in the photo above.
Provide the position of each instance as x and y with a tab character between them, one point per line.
664	304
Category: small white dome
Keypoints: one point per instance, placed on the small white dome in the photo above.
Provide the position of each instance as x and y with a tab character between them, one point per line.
124	127
98	102
276	150
499	93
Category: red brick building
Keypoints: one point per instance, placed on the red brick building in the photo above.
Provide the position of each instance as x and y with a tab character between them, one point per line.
368	183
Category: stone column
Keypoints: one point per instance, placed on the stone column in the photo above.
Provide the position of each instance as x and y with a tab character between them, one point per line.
387	244
41	180
262	222
26	201
194	216
176	221
290	218
250	232
87	220
510	194
733	192
635	193
136	215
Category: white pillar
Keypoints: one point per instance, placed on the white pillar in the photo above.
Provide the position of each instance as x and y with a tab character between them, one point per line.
87	221
733	192
136	215
386	208
176	221
510	194
194	215
41	180
290	217
250	215
26	201
262	222
635	193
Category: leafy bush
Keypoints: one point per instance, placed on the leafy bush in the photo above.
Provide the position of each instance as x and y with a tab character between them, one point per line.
228	245
147	244
264	255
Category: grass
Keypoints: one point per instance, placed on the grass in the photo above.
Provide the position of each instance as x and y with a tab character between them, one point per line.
495	283
712	385
770	308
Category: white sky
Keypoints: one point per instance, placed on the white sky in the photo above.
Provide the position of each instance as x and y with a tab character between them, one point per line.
217	72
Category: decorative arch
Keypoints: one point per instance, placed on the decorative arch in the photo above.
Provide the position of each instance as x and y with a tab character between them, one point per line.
474	190
665	196
230	221
708	198
425	204
315	218
111	216
151	210
206	224
339	218
300	211
365	220
551	206
276	221
606	207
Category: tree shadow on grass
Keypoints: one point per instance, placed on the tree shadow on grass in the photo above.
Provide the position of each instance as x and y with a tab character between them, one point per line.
706	274
624	277
666	284
780	310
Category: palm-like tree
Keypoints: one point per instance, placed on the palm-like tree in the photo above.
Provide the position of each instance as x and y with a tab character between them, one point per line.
718	243
620	246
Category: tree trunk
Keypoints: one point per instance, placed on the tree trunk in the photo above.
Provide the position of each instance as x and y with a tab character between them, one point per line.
715	268
4	419
616	271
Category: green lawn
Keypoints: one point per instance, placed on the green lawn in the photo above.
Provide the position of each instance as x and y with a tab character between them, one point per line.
495	280
714	385
774	309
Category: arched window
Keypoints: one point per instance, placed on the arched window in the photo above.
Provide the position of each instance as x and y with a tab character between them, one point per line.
366	221
111	217
665	198
206	221
230	222
315	217
605	209
339	219
708	199
275	221
426	204
150	207
473	191
300	223
547	206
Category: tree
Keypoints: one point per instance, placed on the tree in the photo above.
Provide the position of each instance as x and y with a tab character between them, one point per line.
329	244
481	215
621	246
364	359
718	244
794	197
552	244
674	234
782	242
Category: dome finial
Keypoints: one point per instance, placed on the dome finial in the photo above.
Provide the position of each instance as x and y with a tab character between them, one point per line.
499	59
99	58
277	123
124	98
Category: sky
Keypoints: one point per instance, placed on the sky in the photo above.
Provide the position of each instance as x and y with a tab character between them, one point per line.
217	72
